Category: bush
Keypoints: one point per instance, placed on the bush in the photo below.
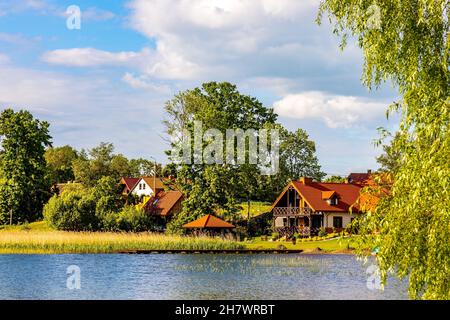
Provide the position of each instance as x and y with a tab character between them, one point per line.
134	219
322	232
71	212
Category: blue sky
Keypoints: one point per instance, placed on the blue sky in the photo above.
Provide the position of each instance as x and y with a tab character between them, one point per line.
108	81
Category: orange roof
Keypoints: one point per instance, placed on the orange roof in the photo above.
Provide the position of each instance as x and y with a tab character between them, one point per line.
312	193
163	203
208	221
158	182
376	187
328	194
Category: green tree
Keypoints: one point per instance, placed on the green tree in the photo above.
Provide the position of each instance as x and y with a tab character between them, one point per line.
336	179
391	159
59	163
298	155
23	187
144	167
212	188
407	42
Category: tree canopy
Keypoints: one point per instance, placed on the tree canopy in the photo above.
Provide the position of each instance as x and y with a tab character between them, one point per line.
23	187
219	187
407	42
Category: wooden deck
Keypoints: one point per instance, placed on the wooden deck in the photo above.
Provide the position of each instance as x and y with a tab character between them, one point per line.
242	251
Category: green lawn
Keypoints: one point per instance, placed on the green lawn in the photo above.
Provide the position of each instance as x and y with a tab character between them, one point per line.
256	208
335	245
34	226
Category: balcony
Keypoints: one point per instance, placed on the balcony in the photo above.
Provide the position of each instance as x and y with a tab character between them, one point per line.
291	211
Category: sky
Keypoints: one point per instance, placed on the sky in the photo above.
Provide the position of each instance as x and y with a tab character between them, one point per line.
109	79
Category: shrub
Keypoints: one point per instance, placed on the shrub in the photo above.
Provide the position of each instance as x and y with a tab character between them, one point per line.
322	232
72	211
134	219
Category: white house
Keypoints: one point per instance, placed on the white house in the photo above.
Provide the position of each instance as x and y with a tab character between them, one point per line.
147	186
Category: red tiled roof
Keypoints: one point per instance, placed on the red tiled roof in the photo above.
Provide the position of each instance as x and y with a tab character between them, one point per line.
163	203
347	194
129	182
158	182
208	221
358	177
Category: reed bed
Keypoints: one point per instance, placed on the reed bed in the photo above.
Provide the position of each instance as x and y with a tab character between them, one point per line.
103	242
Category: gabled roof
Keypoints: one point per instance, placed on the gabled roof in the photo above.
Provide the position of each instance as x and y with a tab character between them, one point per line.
163	203
313	194
129	182
149	181
158	182
208	221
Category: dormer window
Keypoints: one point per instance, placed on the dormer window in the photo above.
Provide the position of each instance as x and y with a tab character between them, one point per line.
333	201
330	197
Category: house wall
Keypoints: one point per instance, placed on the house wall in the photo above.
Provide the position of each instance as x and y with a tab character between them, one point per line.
279	222
346	219
147	191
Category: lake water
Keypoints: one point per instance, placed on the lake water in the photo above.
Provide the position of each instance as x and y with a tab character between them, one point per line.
196	276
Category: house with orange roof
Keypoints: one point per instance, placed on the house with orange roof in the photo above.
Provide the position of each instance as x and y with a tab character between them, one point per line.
164	204
305	206
147	186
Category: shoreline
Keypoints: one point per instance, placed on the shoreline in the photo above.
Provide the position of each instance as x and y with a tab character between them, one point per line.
38	238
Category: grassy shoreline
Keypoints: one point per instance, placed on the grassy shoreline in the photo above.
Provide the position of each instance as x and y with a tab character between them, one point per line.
38	238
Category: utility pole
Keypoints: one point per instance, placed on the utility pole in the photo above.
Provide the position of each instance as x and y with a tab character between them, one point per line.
154	176
10	217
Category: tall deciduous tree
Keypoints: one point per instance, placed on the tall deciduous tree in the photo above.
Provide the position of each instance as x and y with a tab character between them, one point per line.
213	188
59	163
407	42
298	155
23	187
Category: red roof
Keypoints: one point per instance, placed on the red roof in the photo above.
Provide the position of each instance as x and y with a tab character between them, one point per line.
163	203
313	194
129	182
208	221
347	194
358	177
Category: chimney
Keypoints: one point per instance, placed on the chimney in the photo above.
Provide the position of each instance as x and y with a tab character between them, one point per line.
305	180
369	171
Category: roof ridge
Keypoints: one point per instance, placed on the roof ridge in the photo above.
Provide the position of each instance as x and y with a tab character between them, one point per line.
207	220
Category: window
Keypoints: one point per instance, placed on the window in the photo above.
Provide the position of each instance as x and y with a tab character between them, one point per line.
143	186
337	222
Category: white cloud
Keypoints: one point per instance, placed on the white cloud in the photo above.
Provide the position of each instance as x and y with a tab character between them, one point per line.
160	63
215	39
84	112
334	110
143	82
90	57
